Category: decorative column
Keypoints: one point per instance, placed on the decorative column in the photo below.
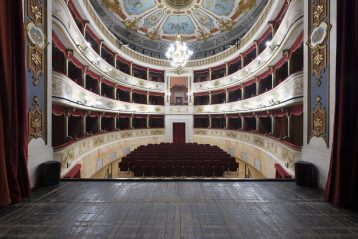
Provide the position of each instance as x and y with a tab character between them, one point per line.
209	122
115	123
66	65
242	60
257	86
131	96
257	123
115	61
289	126
190	89
66	126
100	47
273	125
209	73
115	91
226	122
85	28
257	48
226	96
242	122
99	123
84	70
131	122
243	92
226	69
272	27
100	85
148	126
148	74
84	118
131	69
273	76
287	55
209	97
148	98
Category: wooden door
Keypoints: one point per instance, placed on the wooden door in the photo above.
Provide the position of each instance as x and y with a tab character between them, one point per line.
179	133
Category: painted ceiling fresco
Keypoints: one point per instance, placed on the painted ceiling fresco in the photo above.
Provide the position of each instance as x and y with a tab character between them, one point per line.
149	26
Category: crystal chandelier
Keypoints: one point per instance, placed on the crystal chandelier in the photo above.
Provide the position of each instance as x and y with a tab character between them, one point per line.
178	53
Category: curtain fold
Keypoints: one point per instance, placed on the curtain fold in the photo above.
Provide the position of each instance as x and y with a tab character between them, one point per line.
342	183
14	180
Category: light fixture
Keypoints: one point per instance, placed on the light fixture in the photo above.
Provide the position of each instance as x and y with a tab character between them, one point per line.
178	53
84	45
272	47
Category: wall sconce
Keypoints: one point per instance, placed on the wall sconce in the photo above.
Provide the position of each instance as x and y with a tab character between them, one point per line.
84	45
271	46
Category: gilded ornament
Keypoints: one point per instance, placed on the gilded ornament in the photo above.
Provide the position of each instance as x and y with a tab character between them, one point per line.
34	11
35	63
203	35
37	12
36	58
131	24
114	6
154	35
319	11
35	120
225	25
319	63
319	119
318	59
245	6
35	35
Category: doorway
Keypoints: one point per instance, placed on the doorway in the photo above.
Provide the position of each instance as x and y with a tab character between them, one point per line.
179	133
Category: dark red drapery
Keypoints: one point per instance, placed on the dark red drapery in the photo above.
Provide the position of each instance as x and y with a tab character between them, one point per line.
14	180
342	183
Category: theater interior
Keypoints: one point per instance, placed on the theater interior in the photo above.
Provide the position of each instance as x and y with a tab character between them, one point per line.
178	119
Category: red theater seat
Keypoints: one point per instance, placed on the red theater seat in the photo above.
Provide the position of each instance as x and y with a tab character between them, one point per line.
178	160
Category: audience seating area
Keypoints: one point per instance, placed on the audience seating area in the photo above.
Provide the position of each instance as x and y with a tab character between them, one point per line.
178	160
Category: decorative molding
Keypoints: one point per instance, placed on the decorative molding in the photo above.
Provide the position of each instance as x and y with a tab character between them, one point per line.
67	92
36	43
75	151
319	120
65	27
283	39
288	92
271	8
35	63
35	11
318	43
36	121
284	154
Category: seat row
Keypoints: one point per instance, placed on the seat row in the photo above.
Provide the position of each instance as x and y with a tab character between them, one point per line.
178	160
175	170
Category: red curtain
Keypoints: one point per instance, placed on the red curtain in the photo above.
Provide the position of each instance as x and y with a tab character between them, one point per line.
14	180
342	183
178	133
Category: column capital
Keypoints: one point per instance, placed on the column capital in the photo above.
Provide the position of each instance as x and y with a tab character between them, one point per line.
272	69
287	54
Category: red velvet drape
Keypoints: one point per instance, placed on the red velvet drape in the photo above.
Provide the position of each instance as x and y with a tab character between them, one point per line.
14	180
342	183
178	133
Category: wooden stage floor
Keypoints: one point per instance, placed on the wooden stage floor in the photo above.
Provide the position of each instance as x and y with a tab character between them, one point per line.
177	209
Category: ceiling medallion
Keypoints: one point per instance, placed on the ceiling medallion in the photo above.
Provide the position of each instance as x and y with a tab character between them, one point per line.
178	3
178	54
